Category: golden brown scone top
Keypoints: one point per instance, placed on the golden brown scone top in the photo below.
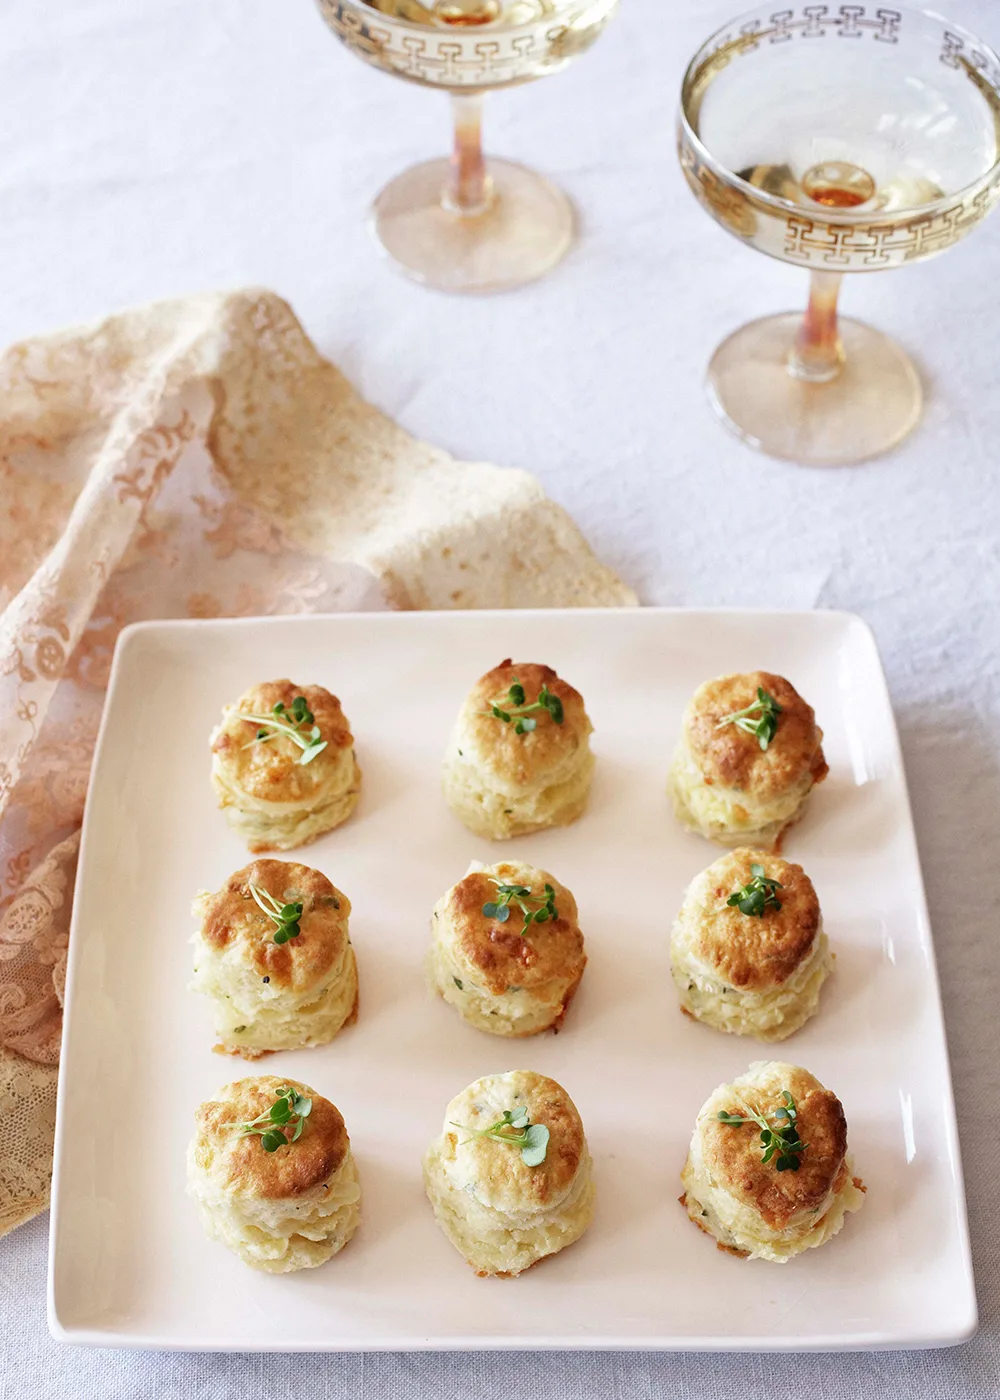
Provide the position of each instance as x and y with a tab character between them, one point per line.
745	951
732	758
239	1161
501	957
496	1171
233	917
521	760
734	1156
272	772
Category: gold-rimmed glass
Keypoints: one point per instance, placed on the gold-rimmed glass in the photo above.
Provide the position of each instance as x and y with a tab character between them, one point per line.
468	223
840	138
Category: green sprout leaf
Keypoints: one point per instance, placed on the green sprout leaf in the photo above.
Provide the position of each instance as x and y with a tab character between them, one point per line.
513	708
296	722
285	917
759	719
289	1110
515	1129
780	1143
519	895
757	896
536	1144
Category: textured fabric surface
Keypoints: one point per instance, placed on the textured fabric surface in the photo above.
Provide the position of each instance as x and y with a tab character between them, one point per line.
198	458
149	150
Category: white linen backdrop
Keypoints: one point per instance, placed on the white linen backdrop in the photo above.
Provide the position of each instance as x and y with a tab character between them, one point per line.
151	150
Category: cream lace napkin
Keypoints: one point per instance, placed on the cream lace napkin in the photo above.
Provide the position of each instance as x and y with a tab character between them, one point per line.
195	459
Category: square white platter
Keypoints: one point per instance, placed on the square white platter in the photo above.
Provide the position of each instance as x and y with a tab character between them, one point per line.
130	1265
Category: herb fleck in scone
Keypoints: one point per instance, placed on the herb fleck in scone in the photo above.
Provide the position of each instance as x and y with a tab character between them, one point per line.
519	759
510	1176
748	952
273	952
768	1174
271	1171
749	755
506	949
283	765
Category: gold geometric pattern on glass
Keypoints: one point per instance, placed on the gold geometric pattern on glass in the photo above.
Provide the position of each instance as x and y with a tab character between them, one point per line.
814	241
853	137
447	58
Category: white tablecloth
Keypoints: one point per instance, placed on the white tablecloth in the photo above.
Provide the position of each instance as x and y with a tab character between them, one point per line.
152	149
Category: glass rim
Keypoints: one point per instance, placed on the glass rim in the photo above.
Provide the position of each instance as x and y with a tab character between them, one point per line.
849	217
457	31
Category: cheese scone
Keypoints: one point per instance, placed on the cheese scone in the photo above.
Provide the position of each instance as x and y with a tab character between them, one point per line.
279	1205
502	973
770	1209
755	970
519	758
272	988
283	765
501	1212
749	755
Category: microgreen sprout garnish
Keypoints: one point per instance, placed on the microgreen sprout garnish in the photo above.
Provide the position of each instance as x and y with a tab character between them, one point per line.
757	895
759	719
289	1110
520	895
513	708
781	1142
285	917
517	1130
296	722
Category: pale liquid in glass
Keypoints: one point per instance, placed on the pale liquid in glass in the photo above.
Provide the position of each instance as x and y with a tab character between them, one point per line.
527	39
845	125
469	13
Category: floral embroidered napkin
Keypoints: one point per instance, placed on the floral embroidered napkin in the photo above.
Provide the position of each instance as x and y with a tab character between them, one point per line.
198	458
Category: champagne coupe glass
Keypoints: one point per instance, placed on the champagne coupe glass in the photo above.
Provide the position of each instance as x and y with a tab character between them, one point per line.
468	224
849	137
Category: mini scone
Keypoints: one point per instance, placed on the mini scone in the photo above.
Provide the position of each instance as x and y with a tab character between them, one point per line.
282	1196
503	974
501	1206
532	770
753	966
799	1197
272	988
749	755
283	765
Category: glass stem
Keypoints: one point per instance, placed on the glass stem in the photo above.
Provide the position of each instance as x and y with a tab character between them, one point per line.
818	353
469	191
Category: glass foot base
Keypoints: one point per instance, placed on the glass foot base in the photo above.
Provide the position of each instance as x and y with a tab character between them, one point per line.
527	229
868	408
